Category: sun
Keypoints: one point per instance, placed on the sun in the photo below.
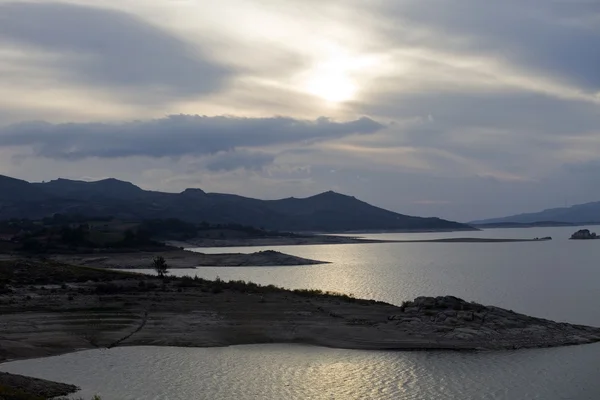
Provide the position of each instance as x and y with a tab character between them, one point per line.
332	86
335	74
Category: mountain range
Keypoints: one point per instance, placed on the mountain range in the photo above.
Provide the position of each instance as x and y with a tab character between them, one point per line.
578	214
325	212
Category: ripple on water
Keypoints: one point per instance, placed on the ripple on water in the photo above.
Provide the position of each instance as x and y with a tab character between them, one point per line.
305	372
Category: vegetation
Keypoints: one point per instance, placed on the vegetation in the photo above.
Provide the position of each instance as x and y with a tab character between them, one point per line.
159	264
78	234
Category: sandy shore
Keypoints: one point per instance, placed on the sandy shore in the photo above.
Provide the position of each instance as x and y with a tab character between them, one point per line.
183	259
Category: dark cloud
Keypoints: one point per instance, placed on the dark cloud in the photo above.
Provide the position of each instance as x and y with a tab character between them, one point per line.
502	129
240	159
552	37
110	48
174	136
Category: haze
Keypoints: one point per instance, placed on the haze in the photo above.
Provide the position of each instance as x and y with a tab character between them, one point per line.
461	109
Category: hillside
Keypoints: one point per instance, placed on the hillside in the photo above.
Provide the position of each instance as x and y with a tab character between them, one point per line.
325	212
577	214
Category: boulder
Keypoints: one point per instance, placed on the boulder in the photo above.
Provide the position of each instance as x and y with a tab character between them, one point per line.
584	234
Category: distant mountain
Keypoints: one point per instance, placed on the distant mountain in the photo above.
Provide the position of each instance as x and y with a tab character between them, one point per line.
325	212
576	215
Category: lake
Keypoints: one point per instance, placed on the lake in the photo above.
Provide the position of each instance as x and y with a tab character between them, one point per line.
558	279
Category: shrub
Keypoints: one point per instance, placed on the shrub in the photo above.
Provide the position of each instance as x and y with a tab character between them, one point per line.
159	264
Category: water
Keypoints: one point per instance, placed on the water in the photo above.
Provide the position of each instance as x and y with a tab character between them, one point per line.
557	280
304	372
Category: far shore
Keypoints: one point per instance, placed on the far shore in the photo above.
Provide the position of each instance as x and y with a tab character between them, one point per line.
324	239
273	241
474	240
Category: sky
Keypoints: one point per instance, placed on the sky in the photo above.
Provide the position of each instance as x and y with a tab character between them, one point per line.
462	109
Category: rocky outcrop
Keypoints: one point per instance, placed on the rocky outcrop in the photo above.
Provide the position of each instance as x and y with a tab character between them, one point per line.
450	319
584	234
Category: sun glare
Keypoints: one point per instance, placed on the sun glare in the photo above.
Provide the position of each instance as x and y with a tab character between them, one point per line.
336	78
334	88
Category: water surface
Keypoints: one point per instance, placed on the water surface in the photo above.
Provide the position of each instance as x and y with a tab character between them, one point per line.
303	372
558	280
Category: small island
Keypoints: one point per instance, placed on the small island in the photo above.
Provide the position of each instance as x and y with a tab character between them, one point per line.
584	234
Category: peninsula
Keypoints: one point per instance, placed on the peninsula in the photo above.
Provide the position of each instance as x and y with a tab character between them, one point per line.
85	308
177	258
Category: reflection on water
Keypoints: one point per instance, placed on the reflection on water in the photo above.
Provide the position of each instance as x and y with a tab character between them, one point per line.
556	279
304	372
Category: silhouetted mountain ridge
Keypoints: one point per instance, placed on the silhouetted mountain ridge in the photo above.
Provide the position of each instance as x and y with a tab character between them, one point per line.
577	214
326	212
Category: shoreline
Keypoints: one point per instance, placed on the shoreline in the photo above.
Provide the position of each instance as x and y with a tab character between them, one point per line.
338	240
274	241
82	308
177	258
49	308
474	240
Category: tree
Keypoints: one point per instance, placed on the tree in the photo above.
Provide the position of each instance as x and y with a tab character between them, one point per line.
159	264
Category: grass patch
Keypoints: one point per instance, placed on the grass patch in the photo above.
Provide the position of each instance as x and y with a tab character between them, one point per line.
241	286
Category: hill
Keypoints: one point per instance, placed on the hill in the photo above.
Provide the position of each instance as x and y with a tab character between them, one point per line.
325	212
575	215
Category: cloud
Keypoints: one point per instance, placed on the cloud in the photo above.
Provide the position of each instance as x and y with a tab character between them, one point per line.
495	104
104	47
555	38
174	136
240	159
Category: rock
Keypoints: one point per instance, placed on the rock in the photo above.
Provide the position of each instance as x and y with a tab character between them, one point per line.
584	234
425	302
450	313
466	315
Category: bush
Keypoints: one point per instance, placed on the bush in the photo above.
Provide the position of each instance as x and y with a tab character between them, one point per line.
159	264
